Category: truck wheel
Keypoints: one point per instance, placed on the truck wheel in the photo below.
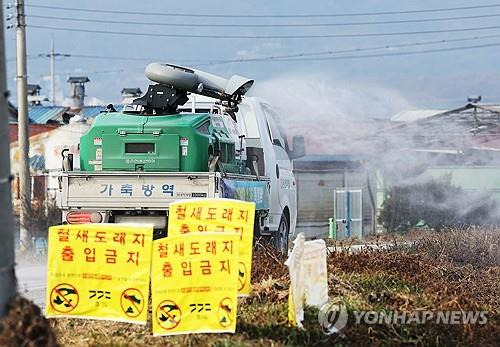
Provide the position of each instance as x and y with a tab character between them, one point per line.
281	239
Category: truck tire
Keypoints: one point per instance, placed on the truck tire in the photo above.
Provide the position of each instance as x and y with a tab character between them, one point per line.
281	237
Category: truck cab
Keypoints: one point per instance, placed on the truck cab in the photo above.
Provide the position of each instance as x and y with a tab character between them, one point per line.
263	137
258	121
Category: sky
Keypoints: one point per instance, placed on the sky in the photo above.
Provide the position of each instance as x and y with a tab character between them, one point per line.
380	83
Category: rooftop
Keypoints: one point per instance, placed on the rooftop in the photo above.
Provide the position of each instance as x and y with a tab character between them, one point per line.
92	111
133	91
414	115
33	88
34	129
43	114
327	162
78	79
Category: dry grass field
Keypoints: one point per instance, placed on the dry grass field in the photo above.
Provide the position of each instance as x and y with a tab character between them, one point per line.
452	270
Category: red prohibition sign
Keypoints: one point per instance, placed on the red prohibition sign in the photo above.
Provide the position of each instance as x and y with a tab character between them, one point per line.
242	275
64	298
168	314
132	302
225	312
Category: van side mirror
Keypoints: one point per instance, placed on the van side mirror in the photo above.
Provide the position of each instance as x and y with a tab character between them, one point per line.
277	142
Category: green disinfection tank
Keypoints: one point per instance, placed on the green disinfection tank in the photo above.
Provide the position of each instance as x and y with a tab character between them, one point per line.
181	142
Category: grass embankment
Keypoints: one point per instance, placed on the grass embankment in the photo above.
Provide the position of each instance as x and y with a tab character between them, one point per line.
455	270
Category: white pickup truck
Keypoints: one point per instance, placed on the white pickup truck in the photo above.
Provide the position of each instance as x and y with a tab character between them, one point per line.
98	196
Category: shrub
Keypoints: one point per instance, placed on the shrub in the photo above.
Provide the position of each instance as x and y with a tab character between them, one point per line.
40	217
437	202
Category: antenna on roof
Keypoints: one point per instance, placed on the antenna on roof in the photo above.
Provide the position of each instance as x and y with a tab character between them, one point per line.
474	99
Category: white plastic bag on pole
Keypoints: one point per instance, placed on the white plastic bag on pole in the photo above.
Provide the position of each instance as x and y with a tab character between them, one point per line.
297	288
315	273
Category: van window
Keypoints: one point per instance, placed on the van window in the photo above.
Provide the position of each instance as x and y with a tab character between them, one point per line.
276	134
247	122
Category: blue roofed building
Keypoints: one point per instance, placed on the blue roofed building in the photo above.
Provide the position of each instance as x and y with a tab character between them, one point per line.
39	114
92	111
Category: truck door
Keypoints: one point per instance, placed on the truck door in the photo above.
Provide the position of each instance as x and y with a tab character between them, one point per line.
281	173
348	213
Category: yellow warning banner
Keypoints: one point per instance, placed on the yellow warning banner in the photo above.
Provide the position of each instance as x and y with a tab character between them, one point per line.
221	215
99	271
194	283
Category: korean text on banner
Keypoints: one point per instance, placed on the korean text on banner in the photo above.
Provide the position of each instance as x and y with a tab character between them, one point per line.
221	215
99	271
194	283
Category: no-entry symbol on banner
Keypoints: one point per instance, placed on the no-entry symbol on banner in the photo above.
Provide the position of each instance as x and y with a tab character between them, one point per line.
242	275
132	302
99	271
168	314
64	298
225	312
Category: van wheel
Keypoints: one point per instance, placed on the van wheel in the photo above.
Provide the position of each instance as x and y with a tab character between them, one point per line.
281	239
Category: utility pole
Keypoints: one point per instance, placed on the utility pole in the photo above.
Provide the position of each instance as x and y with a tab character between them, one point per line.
53	55
52	72
22	123
7	276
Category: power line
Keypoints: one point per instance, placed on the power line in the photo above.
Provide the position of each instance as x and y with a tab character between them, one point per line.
218	15
294	25
364	56
92	72
298	55
460	48
85	56
422	32
104	57
352	50
28	56
345	57
88	72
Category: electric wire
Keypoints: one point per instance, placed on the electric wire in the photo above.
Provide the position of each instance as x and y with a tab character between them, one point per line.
364	56
349	57
298	55
354	50
351	35
304	56
218	15
286	56
449	49
291	25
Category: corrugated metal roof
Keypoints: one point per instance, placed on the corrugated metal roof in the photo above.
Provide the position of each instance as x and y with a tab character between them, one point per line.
414	115
42	114
491	108
92	111
324	163
330	158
